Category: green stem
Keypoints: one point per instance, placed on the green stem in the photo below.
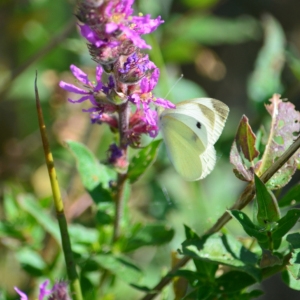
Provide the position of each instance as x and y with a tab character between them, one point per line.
59	207
123	128
245	198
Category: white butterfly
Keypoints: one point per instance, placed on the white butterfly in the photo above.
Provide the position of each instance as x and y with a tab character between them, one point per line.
190	132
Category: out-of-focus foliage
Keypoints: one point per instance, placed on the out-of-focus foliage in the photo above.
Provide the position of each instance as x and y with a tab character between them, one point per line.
236	51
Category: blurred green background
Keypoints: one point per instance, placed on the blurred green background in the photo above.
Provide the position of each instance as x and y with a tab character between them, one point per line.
237	51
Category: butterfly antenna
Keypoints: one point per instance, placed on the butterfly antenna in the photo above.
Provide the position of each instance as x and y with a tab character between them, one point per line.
181	76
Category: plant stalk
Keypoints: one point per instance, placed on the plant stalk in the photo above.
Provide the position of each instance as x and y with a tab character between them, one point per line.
58	203
123	129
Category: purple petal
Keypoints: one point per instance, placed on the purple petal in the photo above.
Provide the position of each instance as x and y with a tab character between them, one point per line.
99	72
111	27
134	37
108	9
80	75
145	24
72	88
81	99
23	295
164	103
126	9
43	291
89	34
150	115
92	109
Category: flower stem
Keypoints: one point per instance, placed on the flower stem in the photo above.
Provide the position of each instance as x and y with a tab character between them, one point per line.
59	207
245	198
123	128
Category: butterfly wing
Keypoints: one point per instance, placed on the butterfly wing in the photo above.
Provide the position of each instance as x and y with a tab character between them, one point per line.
211	112
183	145
190	131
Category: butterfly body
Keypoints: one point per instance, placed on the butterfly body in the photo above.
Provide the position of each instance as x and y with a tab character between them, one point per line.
190	132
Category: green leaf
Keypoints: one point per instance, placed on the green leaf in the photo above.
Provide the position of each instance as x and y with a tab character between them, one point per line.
292	197
240	170
142	161
284	225
31	261
250	228
245	139
294	240
45	220
222	249
265	80
150	234
141	288
289	279
294	263
285	124
121	267
191	276
94	176
83	235
234	281
189	232
200	293
268	210
206	269
11	210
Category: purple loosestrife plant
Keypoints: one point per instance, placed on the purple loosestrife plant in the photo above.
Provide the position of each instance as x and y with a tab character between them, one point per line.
114	41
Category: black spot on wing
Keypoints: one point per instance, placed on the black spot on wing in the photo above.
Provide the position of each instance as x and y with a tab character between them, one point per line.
198	125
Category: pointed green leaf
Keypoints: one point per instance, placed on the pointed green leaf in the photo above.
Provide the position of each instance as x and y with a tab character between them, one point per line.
141	288
234	281
284	225
240	171
189	232
143	160
44	219
94	175
191	276
289	279
31	261
250	228
245	140
150	234
222	249
292	197
294	240
205	268
294	263
285	124
200	293
268	210
123	268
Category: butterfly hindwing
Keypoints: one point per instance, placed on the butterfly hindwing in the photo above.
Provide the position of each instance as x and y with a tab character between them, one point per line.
180	138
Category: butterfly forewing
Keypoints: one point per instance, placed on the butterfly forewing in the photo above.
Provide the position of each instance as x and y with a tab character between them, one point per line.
220	111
